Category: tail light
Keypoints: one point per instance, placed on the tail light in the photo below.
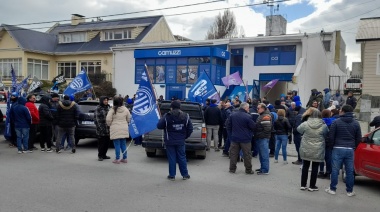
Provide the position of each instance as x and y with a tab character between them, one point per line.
345	85
204	131
361	85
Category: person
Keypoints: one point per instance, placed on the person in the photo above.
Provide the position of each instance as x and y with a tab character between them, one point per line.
54	105
312	150
314	96
326	98
222	132
240	126
46	119
13	138
177	127
207	104
102	130
291	115
87	95
278	106
375	122
227	143
339	98
326	117
160	99
22	122
263	133
213	119
282	128
67	116
345	134
118	119
299	111
31	99
351	100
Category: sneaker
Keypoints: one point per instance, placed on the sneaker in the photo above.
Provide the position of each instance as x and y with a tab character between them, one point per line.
73	151
171	178
42	149
262	173
217	150
321	175
225	154
297	162
258	170
303	188
49	150
29	151
19	152
329	191
106	157
116	161
315	188
100	159
186	177
285	162
275	161
58	150
351	194
249	172
124	161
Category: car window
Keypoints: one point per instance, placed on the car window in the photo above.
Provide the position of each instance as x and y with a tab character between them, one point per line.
193	110
354	81
376	138
87	108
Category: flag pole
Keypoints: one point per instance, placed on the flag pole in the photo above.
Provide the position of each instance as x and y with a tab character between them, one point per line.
211	83
154	89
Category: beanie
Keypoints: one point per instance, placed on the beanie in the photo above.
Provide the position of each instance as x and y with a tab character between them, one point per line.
54	95
175	105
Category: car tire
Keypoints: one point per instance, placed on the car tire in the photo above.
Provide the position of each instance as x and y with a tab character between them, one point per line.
151	154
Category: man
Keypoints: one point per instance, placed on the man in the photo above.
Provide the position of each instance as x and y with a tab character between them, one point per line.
222	132
160	99
207	104
177	127
375	122
240	126
87	95
102	129
227	142
67	116
213	119
351	100
291	115
339	98
45	124
14	98
326	98
263	133
22	121
54	105
297	137
31	99
345	134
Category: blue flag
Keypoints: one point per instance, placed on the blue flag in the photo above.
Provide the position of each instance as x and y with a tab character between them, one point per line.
202	89
79	84
7	132
145	113
22	84
14	80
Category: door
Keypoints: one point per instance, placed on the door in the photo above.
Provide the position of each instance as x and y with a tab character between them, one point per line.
371	157
177	92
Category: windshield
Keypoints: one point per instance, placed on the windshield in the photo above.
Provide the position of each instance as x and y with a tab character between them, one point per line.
194	111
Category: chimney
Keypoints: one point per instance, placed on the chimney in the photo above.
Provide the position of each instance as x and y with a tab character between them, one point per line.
77	19
275	25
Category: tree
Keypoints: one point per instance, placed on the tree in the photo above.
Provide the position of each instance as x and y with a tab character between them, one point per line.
224	26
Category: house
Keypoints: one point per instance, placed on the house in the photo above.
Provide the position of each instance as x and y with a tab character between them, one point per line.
67	48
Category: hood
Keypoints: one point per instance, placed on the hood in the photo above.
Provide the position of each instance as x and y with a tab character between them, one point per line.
314	91
101	99
45	100
347	117
21	101
66	102
296	98
328	121
314	123
121	109
319	94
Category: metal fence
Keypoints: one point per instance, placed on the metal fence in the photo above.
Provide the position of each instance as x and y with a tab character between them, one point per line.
336	82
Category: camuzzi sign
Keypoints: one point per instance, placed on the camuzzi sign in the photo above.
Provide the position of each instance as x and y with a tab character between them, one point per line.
169	52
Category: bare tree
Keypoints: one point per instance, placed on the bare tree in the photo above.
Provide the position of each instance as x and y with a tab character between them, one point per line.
224	26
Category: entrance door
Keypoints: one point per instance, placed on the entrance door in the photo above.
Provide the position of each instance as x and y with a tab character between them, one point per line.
178	92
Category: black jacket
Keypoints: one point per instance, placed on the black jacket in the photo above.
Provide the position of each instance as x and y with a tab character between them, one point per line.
67	114
351	100
213	115
282	126
100	114
345	132
44	110
240	126
375	122
263	126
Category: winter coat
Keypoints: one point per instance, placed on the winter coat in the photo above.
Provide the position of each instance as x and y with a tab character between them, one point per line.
345	131
33	112
54	106
263	127
118	122
213	115
351	100
100	114
375	122
240	127
67	114
298	120
314	132
339	99
326	99
282	126
328	122
46	118
20	114
177	127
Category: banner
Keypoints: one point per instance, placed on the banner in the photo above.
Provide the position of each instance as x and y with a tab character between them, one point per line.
79	84
35	84
232	79
60	79
202	89
22	84
270	84
7	127
14	80
145	114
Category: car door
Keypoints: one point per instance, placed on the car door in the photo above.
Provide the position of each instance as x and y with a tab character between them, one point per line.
370	157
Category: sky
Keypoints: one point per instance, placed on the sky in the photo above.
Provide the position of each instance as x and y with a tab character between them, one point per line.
308	16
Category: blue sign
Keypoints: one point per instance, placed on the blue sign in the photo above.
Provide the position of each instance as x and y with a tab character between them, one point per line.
202	89
170	74
216	52
182	52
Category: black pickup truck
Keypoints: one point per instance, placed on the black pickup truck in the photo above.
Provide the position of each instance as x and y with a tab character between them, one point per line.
196	143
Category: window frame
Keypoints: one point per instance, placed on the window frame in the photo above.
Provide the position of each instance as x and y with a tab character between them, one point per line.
5	66
98	64
35	63
68	37
70	67
110	34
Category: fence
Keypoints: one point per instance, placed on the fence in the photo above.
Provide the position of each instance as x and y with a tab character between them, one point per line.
336	82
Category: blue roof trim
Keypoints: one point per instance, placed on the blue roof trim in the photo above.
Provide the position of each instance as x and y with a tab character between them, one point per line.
280	76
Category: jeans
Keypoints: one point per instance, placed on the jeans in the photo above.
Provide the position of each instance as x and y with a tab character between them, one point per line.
342	156
176	154
22	138
247	155
120	144
297	141
212	130
227	144
70	133
305	173
263	147
328	162
281	141
138	140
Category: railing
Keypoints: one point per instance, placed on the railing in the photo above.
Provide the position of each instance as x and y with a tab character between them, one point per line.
336	82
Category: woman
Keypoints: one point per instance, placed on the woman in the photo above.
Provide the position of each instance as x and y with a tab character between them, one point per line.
46	123
102	130
118	119
326	117
312	149
282	128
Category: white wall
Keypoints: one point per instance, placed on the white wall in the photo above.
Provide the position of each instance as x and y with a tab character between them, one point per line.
124	72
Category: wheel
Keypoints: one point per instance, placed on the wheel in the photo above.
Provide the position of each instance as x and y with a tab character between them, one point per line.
151	154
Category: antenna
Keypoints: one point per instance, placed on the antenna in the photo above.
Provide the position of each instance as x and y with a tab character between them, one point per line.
270	4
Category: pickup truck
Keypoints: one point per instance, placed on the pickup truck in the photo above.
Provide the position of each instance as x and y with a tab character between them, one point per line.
196	143
353	84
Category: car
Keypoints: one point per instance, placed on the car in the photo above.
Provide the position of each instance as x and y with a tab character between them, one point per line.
196	143
353	84
367	156
85	127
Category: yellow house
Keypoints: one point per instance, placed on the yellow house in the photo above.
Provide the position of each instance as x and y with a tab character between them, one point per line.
68	48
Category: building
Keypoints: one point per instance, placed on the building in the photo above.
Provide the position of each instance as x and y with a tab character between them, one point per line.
67	48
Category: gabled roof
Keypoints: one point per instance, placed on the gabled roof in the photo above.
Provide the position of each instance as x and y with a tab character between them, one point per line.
369	29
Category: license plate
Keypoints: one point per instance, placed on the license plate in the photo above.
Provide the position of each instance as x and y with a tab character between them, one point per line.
87	122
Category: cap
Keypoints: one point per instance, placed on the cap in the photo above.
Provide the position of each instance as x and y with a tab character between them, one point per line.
14	94
53	95
326	89
175	105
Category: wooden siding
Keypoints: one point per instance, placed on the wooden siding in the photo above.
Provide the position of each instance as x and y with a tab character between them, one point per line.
371	81
136	31
91	35
7	42
159	32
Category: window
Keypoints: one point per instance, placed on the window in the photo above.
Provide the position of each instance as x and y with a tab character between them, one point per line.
38	68
92	67
69	69
73	37
376	138
327	45
275	55
117	34
5	67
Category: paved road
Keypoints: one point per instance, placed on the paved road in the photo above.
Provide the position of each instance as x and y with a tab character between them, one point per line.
78	182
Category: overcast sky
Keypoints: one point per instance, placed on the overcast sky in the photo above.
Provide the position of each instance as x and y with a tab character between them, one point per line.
302	15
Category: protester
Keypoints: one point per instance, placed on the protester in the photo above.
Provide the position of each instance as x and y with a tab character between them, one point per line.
177	127
213	119
118	119
351	100
326	98
263	132
291	115
54	105
345	134
31	99
312	150
315	96
299	111
13	139
87	95
222	132
102	130
227	143
22	122
160	99
207	104
326	117
282	128
375	122
240	126
46	119
339	98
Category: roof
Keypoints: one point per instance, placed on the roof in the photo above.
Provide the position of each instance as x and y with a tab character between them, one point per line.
35	41
369	29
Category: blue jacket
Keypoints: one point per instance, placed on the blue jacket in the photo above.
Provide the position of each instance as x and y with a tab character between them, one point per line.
240	126
345	132
328	122
177	127
20	114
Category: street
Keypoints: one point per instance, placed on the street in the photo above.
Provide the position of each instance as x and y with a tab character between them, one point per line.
42	181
